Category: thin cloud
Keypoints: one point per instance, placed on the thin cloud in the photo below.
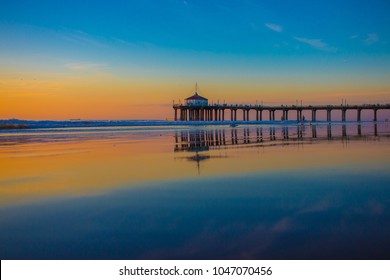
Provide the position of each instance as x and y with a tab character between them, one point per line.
372	38
274	27
84	67
138	44
81	37
317	44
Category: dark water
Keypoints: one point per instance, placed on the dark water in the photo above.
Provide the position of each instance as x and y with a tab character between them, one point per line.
253	192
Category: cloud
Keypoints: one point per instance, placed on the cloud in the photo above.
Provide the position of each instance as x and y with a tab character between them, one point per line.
317	44
80	37
274	27
137	44
84	67
371	39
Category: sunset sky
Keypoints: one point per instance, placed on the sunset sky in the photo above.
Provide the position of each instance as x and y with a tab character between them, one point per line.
131	59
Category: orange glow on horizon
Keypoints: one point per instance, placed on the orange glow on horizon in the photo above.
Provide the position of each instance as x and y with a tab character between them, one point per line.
106	97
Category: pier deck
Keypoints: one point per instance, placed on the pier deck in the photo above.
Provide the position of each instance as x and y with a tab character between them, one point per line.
216	112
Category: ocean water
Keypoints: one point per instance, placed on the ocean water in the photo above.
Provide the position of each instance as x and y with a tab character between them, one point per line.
196	192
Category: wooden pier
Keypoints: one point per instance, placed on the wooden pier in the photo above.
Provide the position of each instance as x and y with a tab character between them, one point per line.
216	112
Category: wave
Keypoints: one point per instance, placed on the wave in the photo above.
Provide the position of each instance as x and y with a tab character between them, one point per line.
22	125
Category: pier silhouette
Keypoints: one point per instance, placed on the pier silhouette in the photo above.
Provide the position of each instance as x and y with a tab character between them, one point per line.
216	112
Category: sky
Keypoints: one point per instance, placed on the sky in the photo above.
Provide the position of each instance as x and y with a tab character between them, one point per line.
133	59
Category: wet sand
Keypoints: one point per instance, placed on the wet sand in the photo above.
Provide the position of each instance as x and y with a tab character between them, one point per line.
208	192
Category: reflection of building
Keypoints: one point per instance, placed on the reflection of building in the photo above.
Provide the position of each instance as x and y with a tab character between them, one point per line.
204	140
198	143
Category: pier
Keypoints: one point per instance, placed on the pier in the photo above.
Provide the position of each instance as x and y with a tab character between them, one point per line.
222	112
197	108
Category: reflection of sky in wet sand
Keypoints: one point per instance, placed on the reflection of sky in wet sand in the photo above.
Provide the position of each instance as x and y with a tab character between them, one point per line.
88	164
182	194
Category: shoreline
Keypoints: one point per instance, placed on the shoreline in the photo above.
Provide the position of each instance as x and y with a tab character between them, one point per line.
11	125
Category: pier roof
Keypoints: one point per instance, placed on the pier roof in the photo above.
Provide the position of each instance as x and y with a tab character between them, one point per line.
196	96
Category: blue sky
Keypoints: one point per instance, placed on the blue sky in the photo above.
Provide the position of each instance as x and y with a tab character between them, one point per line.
338	45
238	27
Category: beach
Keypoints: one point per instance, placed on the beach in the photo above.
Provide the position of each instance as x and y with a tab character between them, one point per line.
297	191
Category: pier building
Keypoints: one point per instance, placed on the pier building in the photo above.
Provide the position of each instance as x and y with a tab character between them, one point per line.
196	100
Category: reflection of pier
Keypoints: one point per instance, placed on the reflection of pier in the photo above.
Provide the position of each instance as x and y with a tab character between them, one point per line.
216	112
209	139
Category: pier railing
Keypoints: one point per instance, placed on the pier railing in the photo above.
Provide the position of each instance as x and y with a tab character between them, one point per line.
216	112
